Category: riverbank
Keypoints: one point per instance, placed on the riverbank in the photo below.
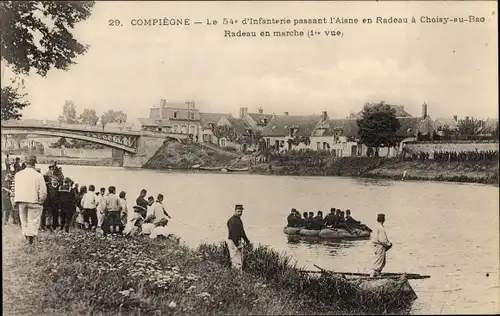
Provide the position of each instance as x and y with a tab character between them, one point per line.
485	172
84	274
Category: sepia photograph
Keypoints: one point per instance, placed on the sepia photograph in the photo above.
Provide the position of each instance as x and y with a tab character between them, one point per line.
249	158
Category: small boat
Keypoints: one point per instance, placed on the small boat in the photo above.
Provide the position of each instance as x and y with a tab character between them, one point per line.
327	233
223	170
237	169
195	166
210	168
387	289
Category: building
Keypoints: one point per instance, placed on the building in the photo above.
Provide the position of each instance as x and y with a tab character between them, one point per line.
282	131
243	132
207	123
257	121
182	118
340	136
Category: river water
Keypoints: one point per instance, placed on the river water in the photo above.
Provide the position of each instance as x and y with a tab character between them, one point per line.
446	230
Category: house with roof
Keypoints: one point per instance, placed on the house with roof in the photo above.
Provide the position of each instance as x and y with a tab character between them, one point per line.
241	134
174	117
340	136
257	121
283	131
207	123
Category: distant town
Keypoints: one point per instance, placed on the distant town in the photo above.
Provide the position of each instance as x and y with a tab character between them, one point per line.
287	132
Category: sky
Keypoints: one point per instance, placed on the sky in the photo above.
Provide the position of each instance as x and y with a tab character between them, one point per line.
451	67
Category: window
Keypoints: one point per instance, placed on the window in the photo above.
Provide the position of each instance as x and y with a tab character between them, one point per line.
318	145
159	129
325	145
223	142
192	129
191	115
175	114
184	129
176	128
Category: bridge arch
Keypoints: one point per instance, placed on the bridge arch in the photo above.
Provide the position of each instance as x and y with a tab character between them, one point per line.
132	149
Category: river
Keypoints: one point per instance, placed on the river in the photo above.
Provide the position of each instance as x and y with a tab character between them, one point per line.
446	230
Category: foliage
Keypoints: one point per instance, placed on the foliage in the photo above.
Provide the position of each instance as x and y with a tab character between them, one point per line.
470	126
89	117
69	113
299	139
23	21
75	143
112	116
378	125
12	100
495	132
447	130
225	131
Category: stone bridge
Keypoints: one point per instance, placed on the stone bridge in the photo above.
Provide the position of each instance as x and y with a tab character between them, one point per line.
115	137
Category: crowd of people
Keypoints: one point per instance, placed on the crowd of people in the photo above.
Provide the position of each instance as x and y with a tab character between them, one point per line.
51	202
335	219
471	155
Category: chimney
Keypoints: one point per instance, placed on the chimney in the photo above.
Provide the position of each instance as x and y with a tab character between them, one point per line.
243	112
455	118
261	110
424	110
286	113
324	116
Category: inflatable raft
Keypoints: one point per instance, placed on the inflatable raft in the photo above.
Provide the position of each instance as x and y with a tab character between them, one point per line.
327	233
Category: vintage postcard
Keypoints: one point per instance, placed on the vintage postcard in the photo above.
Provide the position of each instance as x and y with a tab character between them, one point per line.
237	157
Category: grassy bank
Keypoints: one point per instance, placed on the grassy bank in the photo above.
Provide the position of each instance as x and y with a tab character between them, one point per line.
176	155
485	172
80	274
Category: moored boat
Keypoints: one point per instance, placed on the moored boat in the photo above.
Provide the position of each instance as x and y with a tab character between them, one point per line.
210	168
237	169
327	233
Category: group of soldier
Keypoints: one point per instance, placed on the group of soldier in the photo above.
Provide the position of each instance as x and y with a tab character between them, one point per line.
335	219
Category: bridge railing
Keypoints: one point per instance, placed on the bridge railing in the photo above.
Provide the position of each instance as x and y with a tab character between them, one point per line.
59	125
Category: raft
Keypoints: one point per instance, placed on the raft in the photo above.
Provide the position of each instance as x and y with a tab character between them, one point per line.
237	169
327	233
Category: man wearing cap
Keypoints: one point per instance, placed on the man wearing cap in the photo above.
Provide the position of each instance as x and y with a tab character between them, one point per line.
236	234
381	245
31	192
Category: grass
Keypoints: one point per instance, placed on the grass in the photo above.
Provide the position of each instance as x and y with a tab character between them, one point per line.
85	274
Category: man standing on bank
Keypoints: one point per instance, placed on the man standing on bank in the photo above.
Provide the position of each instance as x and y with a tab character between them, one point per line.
381	245
31	192
236	234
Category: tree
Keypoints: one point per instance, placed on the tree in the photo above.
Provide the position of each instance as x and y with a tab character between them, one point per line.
112	116
69	113
57	47
469	126
377	126
89	117
12	102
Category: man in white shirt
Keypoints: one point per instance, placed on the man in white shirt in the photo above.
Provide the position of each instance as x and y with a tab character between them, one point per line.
381	245
89	205
31	192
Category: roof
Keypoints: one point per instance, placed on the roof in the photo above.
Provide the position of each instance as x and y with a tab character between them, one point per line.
280	125
442	121
211	118
348	126
240	126
151	122
260	118
408	127
400	110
